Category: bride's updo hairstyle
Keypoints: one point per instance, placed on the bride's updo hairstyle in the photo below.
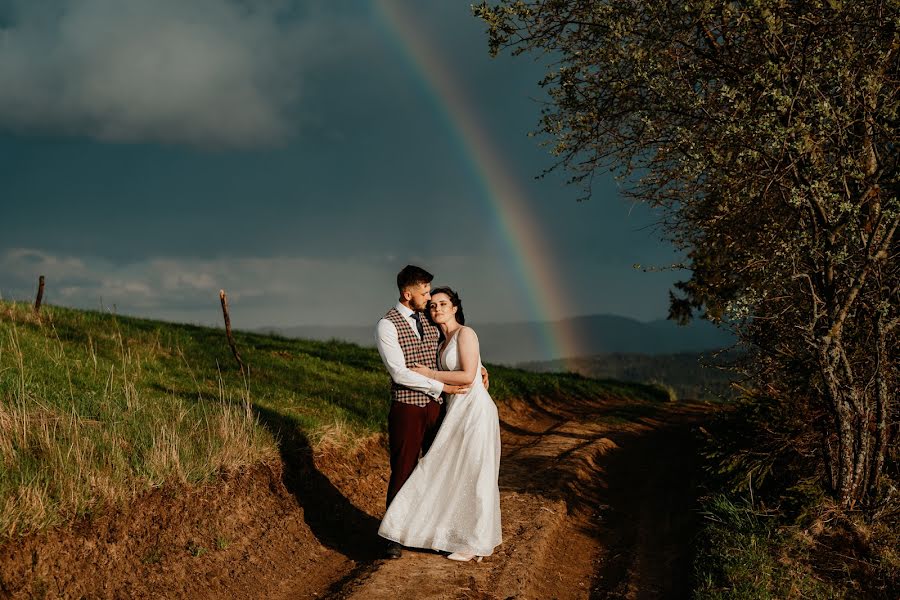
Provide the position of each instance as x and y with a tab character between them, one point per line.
454	300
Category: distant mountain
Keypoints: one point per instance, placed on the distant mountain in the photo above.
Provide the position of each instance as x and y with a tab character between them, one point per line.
513	343
691	375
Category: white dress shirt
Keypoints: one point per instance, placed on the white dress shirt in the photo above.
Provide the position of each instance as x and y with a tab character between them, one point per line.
388	344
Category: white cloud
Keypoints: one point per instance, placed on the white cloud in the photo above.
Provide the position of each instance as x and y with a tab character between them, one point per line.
281	291
202	72
22	263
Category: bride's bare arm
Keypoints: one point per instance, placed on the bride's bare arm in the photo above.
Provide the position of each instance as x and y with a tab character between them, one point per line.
468	361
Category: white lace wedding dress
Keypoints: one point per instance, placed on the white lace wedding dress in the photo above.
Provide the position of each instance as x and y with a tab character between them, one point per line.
451	501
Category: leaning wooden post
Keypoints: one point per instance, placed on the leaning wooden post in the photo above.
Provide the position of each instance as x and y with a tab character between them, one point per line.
40	295
224	299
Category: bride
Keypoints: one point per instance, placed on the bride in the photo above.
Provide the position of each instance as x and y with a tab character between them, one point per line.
451	502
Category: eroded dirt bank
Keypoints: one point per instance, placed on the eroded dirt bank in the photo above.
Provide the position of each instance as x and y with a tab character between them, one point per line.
596	500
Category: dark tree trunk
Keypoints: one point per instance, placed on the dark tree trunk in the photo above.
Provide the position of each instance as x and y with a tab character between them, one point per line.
860	414
883	402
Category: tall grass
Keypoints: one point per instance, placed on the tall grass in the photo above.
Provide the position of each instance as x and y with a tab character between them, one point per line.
771	531
84	423
744	555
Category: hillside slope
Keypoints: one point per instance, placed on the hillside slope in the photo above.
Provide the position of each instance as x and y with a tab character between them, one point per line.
139	462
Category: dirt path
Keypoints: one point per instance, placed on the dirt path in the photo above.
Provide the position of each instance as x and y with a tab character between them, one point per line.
596	497
597	502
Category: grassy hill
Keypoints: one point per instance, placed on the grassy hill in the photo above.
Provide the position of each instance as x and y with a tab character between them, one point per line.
96	408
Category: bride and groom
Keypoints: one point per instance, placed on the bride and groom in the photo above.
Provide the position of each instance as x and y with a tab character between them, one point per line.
449	499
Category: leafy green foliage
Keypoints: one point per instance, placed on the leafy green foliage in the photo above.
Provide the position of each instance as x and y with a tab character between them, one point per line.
765	132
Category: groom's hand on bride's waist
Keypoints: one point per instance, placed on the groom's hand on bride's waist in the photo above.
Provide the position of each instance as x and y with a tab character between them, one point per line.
455	389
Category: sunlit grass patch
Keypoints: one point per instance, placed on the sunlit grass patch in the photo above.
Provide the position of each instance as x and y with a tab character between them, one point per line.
85	425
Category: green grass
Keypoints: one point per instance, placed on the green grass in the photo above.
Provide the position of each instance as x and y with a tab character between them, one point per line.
744	555
772	531
96	408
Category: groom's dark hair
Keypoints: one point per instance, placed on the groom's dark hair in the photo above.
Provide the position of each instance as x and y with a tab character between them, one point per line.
412	275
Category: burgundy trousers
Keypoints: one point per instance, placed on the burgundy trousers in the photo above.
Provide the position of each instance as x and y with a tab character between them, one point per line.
411	429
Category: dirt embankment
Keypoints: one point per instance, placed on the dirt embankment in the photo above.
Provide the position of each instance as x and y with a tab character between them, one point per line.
596	500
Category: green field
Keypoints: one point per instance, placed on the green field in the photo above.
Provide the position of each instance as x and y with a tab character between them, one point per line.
96	408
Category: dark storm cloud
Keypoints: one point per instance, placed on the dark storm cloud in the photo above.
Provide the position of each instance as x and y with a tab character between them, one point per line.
204	72
310	231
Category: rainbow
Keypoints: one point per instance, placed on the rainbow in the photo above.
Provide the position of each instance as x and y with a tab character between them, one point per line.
507	199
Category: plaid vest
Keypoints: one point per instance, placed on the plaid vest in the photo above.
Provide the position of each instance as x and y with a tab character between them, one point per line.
415	350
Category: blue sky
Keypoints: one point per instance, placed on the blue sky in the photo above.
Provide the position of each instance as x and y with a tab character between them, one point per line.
155	151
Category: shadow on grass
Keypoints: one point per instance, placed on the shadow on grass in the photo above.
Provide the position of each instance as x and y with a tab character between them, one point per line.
333	519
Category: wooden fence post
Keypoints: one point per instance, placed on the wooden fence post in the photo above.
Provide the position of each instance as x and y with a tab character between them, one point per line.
224	300
40	295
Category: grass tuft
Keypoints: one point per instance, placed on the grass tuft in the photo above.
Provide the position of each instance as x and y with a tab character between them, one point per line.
772	531
744	556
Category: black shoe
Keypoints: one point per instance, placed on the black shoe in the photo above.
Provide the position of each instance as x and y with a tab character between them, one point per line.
394	550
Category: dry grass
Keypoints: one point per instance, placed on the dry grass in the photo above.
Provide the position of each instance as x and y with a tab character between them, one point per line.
338	434
81	429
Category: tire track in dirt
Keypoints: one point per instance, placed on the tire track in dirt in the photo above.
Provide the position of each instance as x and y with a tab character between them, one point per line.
649	518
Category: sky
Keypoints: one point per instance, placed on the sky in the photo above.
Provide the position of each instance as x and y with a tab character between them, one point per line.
296	154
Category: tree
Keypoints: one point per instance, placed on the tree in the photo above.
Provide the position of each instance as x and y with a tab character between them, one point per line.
766	133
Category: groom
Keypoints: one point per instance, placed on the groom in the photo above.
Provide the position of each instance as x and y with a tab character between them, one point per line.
405	337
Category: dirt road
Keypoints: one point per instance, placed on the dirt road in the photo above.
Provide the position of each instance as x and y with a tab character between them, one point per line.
597	502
